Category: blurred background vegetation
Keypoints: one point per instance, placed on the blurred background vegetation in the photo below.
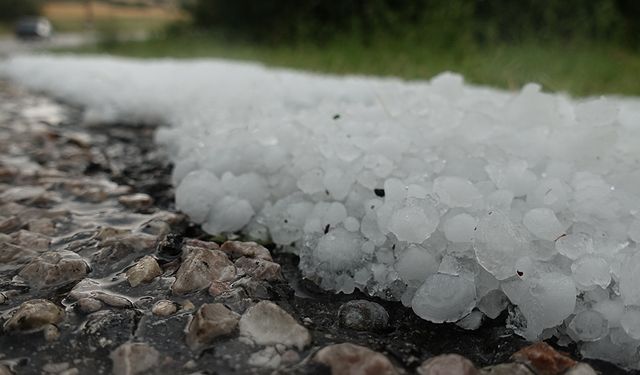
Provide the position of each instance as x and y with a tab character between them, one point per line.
11	10
584	47
439	23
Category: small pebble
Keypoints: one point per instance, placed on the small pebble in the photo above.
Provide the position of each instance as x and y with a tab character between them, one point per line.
34	314
581	369
544	359
164	308
88	305
447	364
199	268
349	359
188	305
112	300
200	243
210	321
4	370
9	225
144	271
267	324
55	368
89	288
190	365
136	201
51	333
43	226
259	269
30	240
239	249
54	268
507	369
363	315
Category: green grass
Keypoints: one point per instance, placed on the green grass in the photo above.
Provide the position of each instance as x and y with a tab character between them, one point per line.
122	25
5	29
579	69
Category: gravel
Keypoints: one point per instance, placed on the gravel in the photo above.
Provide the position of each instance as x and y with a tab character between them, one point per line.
61	201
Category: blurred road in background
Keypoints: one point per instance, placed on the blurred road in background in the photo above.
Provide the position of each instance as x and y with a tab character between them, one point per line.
10	45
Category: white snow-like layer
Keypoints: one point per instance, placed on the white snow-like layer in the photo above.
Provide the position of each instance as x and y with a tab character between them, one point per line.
450	198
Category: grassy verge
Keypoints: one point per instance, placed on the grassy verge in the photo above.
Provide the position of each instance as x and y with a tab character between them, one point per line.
580	69
5	29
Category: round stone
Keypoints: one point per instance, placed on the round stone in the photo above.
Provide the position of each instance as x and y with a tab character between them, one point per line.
363	315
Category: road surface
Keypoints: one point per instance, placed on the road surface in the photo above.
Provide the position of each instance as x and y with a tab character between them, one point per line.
10	45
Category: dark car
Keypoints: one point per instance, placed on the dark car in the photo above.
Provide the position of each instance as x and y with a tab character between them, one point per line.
33	28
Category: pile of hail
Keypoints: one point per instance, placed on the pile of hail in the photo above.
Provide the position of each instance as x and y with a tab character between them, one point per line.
459	201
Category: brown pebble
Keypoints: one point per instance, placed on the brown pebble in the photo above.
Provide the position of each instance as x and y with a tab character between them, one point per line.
136	201
200	267
348	359
91	194
203	244
188	305
144	271
447	364
51	333
268	324
210	321
164	308
7	174
10	224
34	314
88	305
88	288
55	368
30	240
544	359
135	241
190	365
22	194
112	300
259	269
239	249
44	226
54	268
